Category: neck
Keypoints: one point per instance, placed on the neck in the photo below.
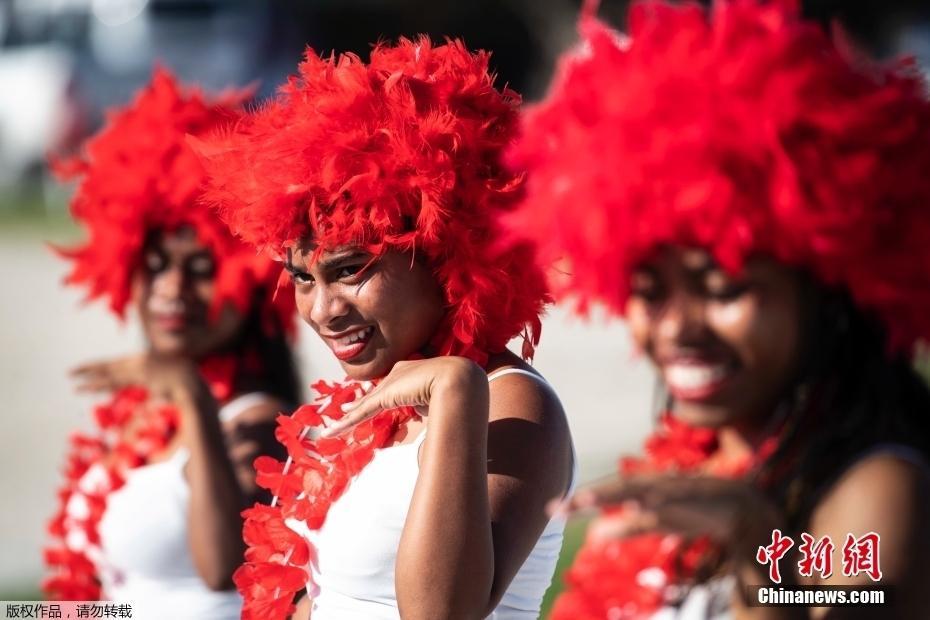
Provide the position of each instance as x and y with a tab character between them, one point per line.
737	443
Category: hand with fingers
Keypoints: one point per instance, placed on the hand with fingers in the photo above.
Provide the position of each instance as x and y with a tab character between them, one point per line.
170	379
730	512
411	384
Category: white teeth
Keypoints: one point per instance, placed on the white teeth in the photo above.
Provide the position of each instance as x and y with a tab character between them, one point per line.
354	337
694	376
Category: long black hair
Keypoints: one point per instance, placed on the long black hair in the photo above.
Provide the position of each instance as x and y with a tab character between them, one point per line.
851	395
264	338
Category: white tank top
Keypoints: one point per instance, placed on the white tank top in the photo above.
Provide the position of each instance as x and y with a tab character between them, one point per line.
352	575
146	559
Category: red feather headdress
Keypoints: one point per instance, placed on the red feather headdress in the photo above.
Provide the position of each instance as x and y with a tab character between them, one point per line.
743	130
401	153
138	174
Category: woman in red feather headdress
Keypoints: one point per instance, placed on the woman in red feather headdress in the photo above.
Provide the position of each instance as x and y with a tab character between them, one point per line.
149	512
379	184
753	198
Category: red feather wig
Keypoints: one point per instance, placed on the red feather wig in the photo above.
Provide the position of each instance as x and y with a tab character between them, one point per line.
402	153
138	175
743	130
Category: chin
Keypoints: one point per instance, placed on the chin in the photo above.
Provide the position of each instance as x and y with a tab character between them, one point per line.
169	347
368	371
375	367
174	346
704	415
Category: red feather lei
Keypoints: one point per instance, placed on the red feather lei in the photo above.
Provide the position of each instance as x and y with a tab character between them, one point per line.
634	577
316	473
401	153
130	430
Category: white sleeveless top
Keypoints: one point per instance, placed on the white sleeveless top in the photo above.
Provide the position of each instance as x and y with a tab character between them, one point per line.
146	559
352	575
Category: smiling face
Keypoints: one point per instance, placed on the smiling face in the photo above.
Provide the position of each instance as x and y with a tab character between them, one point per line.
173	290
371	314
726	347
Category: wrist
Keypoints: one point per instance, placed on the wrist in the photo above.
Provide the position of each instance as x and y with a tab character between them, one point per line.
460	377
194	400
461	391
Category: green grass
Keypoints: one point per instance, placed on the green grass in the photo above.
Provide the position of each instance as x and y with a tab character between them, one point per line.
22	593
574	536
35	212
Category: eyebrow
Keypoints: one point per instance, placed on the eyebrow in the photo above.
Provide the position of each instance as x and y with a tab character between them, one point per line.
327	264
291	269
333	261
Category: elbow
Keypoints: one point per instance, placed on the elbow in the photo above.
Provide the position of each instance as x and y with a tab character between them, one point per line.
219	584
427	611
429	606
218	579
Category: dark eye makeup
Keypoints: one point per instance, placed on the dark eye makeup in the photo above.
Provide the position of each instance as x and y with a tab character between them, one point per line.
720	285
201	266
645	283
349	269
154	262
297	276
198	266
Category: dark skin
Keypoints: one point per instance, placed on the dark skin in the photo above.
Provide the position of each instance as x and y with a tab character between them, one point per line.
172	293
728	347
493	456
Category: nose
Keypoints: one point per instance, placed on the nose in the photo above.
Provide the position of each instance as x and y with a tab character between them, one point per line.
682	319
322	305
169	284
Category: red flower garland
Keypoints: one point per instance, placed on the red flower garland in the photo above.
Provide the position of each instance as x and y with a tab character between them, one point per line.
130	430
315	475
401	153
631	578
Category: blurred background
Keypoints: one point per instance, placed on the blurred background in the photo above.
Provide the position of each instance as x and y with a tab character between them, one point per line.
63	63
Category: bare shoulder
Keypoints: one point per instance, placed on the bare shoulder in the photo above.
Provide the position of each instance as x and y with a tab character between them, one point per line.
886	493
528	434
880	484
518	390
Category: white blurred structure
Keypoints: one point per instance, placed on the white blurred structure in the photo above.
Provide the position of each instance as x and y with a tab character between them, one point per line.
36	108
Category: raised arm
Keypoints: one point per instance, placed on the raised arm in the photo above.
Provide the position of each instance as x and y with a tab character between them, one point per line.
219	471
222	483
491	461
